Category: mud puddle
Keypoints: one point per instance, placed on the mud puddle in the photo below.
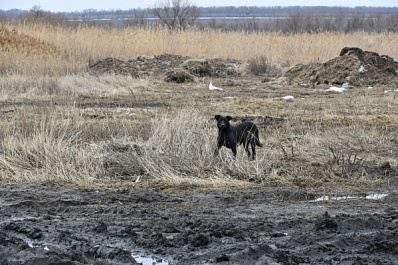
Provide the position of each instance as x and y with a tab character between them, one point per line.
375	196
147	260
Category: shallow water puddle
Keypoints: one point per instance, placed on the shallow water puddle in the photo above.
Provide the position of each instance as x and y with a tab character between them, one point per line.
375	196
144	260
34	244
148	260
15	219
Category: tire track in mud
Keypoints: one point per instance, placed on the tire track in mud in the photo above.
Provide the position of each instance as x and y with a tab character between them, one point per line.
55	225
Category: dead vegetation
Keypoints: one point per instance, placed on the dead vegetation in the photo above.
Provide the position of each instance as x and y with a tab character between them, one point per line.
51	50
316	140
91	119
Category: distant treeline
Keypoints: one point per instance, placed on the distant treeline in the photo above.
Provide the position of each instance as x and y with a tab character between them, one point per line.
248	18
217	12
279	11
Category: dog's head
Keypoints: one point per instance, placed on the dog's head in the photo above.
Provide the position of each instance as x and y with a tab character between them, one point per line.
223	121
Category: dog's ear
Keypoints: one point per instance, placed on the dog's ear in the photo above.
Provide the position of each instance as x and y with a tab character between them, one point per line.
229	118
217	117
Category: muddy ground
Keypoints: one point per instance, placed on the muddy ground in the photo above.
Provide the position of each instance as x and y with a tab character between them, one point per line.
147	223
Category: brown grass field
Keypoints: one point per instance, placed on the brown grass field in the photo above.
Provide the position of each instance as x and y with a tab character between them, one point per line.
60	123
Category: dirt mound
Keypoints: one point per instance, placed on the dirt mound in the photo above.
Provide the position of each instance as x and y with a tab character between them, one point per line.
162	63
179	76
177	68
213	67
140	67
353	66
112	66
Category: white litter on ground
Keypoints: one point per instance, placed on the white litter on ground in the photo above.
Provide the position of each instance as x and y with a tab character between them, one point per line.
211	87
361	69
288	97
346	85
336	89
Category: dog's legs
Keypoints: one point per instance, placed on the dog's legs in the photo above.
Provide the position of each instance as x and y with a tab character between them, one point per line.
233	148
217	150
253	144
219	145
247	149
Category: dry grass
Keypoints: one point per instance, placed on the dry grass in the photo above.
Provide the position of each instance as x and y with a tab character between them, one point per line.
31	49
324	139
60	123
44	147
71	87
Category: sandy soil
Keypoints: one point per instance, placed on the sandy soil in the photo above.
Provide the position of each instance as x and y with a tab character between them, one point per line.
53	224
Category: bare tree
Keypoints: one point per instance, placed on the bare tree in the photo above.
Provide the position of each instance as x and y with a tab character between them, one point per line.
137	19
176	13
38	15
294	22
35	14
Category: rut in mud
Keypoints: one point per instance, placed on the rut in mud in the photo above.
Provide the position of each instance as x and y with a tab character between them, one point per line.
48	225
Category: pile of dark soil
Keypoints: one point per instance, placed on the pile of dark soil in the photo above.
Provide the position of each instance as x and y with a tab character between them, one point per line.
176	68
112	66
212	67
140	67
353	66
178	76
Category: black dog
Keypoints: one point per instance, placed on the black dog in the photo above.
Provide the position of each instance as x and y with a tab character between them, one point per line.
231	136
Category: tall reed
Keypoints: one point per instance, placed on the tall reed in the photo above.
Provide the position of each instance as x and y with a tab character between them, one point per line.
54	50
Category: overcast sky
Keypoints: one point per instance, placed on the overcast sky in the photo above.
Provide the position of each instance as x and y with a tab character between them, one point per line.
78	5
